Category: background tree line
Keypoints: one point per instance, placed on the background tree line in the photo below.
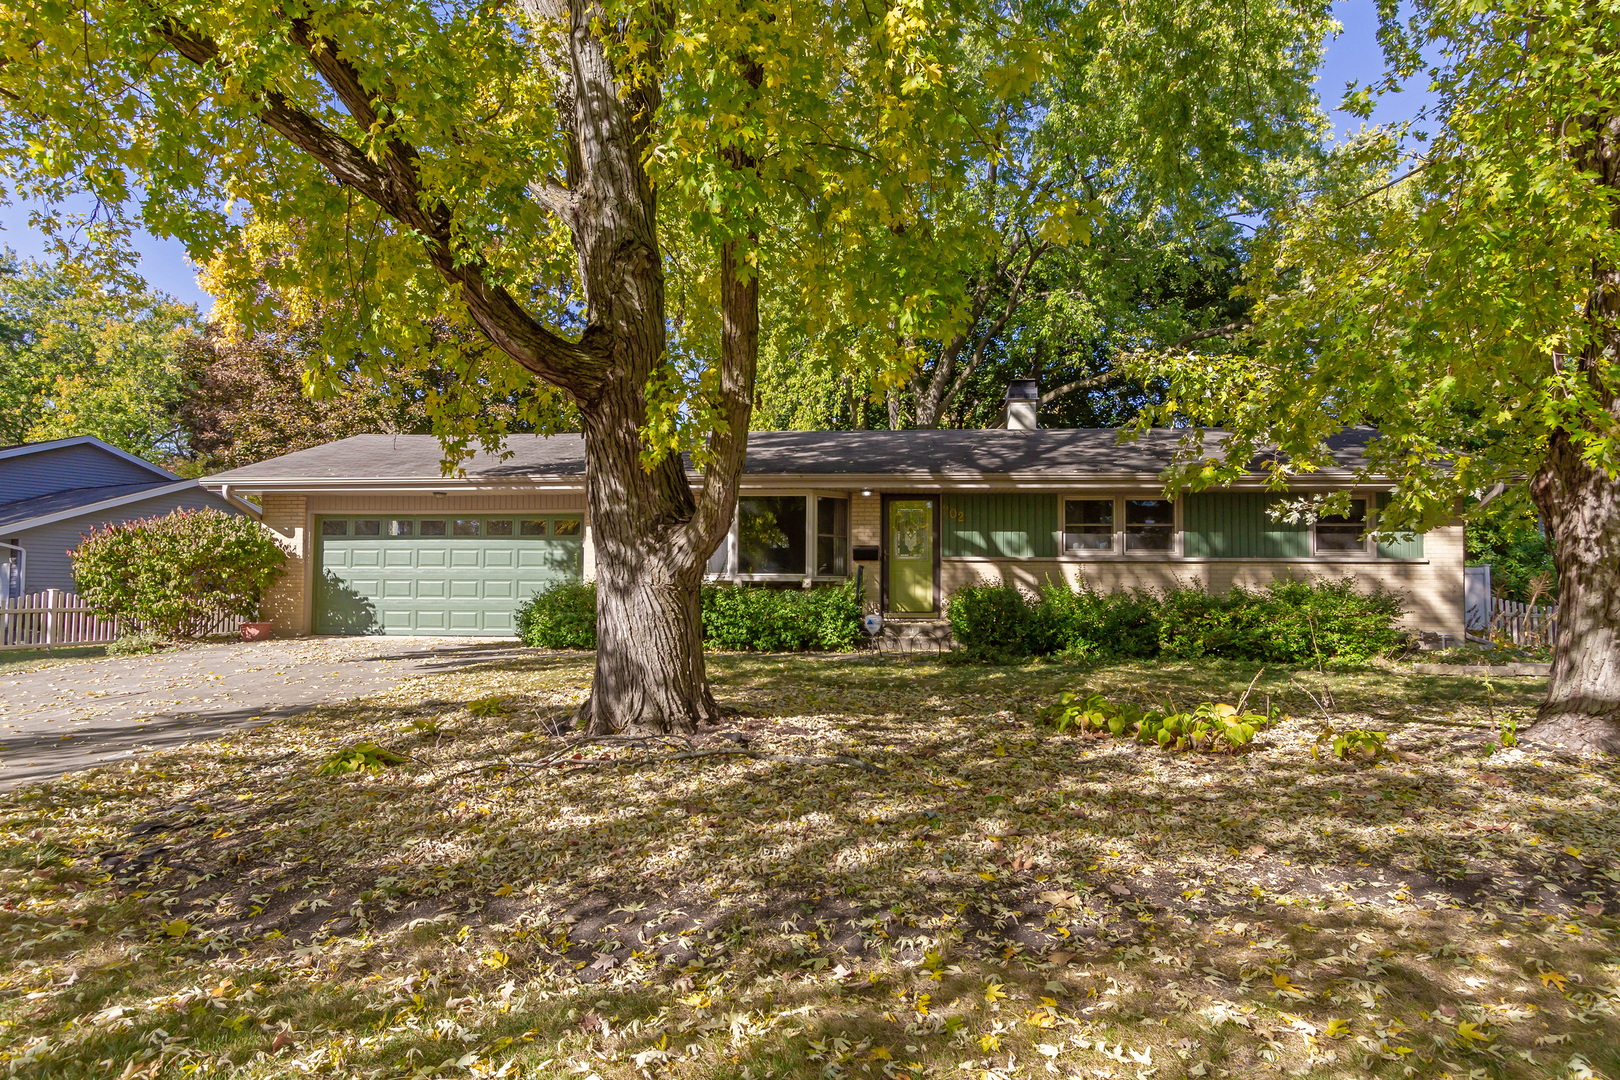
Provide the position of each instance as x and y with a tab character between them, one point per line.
88	349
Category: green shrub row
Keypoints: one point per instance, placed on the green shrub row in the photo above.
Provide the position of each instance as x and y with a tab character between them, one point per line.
735	617
1291	622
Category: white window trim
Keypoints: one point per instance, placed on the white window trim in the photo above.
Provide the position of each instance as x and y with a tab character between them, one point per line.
1369	549
806	579
1118	551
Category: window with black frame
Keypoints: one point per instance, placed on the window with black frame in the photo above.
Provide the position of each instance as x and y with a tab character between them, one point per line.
771	535
1150	525
1088	525
1343	533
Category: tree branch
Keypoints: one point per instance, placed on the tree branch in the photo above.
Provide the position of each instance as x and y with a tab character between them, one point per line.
392	183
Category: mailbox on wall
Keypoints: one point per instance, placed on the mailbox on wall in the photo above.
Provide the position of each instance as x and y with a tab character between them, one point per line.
866	552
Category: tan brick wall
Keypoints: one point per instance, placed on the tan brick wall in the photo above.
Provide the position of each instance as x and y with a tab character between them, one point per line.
1433	588
286	605
866	528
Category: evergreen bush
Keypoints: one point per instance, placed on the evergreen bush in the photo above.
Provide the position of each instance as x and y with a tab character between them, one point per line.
175	576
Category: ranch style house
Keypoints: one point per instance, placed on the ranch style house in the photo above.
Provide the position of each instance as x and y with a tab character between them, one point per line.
382	543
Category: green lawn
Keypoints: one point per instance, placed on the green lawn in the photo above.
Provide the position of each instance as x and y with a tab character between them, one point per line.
15	662
997	901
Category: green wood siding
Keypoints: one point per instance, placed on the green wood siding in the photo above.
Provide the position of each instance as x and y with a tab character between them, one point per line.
433	584
1011	526
1235	525
1409	546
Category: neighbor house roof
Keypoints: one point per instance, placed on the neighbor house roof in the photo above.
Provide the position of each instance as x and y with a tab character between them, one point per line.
60	505
24	449
1043	456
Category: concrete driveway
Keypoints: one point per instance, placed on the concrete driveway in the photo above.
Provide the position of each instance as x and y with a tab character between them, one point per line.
78	715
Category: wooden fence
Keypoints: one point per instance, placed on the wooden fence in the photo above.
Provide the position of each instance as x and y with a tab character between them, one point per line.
1523	624
54	619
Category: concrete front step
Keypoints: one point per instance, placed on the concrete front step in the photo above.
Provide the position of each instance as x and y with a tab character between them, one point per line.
915	636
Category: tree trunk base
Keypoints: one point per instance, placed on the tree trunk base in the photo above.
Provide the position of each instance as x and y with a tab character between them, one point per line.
593	721
1576	733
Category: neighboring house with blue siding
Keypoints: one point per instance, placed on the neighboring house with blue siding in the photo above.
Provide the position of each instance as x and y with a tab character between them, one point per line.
53	493
382	542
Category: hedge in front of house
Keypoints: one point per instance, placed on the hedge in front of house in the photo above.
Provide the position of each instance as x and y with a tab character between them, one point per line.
737	618
1286	622
560	616
175	576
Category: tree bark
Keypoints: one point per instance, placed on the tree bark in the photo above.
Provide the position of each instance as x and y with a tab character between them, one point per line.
651	533
1581	506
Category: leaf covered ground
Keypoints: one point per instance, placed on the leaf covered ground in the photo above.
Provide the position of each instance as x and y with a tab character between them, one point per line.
998	901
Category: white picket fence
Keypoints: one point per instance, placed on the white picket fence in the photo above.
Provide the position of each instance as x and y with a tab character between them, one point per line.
1524	624
54	619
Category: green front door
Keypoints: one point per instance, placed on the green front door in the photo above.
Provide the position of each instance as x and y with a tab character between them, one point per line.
438	575
911	556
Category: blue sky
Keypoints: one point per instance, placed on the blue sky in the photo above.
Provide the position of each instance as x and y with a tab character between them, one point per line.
1353	55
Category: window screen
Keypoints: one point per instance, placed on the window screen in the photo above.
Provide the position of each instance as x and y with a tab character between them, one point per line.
1150	524
832	536
1335	532
1088	525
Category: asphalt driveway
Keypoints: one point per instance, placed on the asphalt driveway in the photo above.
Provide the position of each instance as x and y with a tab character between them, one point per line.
78	715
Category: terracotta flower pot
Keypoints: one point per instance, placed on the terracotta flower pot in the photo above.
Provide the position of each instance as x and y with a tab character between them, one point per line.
256	631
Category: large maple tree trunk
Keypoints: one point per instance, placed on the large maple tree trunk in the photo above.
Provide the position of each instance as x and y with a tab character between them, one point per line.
1581	507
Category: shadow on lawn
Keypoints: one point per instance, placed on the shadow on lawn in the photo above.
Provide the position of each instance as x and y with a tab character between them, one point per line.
1021	847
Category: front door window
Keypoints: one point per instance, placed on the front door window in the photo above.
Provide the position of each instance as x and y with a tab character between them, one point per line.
911	555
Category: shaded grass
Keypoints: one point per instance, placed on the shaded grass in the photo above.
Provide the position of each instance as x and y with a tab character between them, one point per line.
999	898
15	662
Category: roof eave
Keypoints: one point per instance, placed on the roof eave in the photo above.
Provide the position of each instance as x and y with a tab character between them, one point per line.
920	479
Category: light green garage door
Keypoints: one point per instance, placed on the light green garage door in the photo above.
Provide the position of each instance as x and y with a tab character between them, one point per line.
438	575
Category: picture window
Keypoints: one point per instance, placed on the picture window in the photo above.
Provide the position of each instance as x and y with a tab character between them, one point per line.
771	535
